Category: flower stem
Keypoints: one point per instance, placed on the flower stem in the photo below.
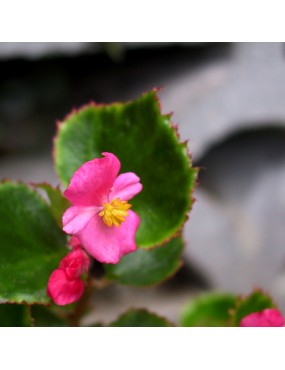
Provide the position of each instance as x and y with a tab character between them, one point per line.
75	317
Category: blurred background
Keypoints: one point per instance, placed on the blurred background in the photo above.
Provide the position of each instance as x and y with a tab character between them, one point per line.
229	102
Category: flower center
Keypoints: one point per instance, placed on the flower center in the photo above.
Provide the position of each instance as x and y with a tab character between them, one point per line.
115	212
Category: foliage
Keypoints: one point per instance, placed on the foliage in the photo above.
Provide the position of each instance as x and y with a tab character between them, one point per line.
140	318
257	301
31	245
147	144
210	309
147	267
34	246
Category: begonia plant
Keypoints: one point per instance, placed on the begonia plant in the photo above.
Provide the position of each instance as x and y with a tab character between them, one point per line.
125	191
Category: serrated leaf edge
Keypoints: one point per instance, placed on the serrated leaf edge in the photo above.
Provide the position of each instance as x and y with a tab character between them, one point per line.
142	310
242	297
154	91
152	285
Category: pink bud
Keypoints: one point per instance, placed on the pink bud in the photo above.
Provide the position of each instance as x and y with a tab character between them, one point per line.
62	290
65	285
75	263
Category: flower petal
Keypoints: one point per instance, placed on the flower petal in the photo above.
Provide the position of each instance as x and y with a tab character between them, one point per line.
64	291
75	263
76	218
125	187
91	183
109	244
268	317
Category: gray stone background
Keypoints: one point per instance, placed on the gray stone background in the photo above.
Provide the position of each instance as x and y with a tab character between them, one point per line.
229	102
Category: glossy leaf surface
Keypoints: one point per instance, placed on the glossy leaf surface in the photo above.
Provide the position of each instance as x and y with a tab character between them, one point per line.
211	309
147	144
147	267
31	246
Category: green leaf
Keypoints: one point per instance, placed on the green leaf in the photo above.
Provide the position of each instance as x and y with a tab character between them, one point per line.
15	315
146	143
140	318
211	309
147	267
255	302
45	317
31	245
58	204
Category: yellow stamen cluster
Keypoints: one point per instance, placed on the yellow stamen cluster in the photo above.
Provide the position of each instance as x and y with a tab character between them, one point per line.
114	213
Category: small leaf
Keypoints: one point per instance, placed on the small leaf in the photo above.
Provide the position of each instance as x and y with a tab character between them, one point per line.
147	267
15	315
140	318
255	302
147	144
44	317
31	246
211	309
58	204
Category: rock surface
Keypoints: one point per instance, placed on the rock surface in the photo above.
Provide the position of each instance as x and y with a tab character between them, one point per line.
234	115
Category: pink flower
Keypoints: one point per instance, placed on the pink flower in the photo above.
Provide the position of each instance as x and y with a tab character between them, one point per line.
100	215
65	285
267	317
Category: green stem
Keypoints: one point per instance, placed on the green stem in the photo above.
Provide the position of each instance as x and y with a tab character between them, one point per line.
75	317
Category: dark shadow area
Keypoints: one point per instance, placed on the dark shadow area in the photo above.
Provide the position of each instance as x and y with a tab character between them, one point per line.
232	166
36	93
188	276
